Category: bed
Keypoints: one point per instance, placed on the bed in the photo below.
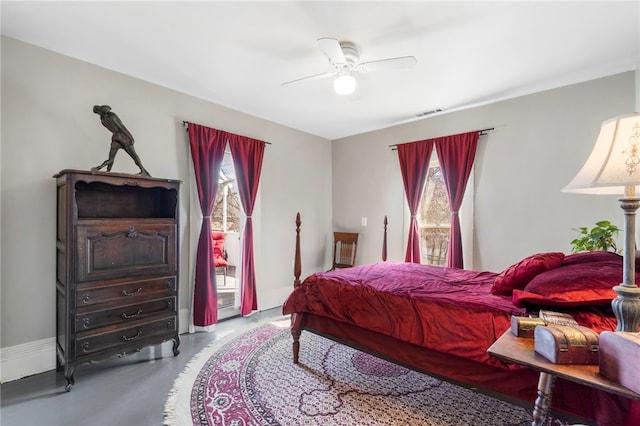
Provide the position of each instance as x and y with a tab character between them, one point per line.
442	320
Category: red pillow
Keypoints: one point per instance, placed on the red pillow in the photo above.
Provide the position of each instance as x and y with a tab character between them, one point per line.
591	256
518	275
218	249
573	285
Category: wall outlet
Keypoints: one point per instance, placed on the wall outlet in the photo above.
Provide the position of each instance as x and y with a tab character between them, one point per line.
363	221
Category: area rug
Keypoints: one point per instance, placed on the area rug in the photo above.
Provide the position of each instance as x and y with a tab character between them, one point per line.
250	379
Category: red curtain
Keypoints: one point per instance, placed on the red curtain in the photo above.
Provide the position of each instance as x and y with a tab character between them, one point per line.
247	156
455	155
414	165
207	151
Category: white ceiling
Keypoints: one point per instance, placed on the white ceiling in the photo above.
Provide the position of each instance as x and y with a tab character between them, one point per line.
238	53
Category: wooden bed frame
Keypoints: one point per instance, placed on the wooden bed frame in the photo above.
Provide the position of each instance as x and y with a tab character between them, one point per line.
408	355
513	383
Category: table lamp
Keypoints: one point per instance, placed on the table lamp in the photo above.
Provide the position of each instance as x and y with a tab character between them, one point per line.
614	168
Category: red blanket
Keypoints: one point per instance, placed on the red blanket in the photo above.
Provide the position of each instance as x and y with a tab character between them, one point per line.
445	309
453	311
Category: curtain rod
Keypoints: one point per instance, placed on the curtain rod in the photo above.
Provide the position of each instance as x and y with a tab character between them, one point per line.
186	124
480	133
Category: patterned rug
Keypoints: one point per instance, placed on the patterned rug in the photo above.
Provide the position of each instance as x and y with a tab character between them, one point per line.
251	380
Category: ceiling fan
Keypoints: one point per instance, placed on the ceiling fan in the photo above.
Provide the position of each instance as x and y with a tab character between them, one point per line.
345	60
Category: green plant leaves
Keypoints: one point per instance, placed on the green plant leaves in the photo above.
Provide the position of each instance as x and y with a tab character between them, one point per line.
600	237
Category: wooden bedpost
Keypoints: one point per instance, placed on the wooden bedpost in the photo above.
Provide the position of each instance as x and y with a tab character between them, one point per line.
295	332
297	263
297	270
384	241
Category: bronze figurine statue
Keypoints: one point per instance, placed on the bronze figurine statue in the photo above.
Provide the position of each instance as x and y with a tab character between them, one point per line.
121	139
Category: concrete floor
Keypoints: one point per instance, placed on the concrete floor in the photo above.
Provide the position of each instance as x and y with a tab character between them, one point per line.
119	392
128	391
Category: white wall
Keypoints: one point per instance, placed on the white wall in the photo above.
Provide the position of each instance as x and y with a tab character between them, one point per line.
539	143
48	125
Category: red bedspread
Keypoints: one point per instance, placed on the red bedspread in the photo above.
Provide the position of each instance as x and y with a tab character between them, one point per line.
454	312
445	309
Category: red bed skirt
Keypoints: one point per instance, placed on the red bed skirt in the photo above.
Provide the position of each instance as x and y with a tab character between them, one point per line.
512	381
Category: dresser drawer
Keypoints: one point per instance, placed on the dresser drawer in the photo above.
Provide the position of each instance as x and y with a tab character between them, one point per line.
112	249
125	292
124	314
113	337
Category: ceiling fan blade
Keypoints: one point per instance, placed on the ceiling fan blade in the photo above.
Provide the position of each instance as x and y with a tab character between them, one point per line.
332	49
388	64
309	77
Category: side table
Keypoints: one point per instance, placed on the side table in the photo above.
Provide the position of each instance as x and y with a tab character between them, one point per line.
520	350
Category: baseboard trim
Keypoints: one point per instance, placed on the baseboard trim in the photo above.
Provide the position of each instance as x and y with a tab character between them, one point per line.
27	359
39	356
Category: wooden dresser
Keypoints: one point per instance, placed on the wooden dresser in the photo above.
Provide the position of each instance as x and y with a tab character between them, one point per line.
117	266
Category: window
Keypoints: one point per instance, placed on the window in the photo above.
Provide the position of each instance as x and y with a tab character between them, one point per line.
434	218
226	208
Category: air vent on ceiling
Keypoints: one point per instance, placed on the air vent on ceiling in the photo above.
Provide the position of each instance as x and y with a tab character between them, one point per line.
425	113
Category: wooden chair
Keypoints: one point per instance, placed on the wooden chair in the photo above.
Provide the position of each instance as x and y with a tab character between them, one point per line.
345	245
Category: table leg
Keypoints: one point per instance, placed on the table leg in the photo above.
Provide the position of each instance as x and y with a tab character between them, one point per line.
543	401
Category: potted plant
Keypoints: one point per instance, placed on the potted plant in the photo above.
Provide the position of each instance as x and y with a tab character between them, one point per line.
600	237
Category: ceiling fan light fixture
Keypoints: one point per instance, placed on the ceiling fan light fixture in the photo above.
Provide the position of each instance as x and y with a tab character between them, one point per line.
344	84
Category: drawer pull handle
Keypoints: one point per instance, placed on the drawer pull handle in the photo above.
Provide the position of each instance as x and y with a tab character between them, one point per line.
128	339
133	293
125	316
132	232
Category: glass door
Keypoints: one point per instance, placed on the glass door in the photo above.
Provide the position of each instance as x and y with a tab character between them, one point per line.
226	222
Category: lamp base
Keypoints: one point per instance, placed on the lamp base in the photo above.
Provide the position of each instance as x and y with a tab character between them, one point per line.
626	307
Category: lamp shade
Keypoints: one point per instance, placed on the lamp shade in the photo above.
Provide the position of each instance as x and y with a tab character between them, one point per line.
344	84
614	163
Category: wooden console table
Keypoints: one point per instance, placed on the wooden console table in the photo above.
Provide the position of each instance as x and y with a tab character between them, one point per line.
519	350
